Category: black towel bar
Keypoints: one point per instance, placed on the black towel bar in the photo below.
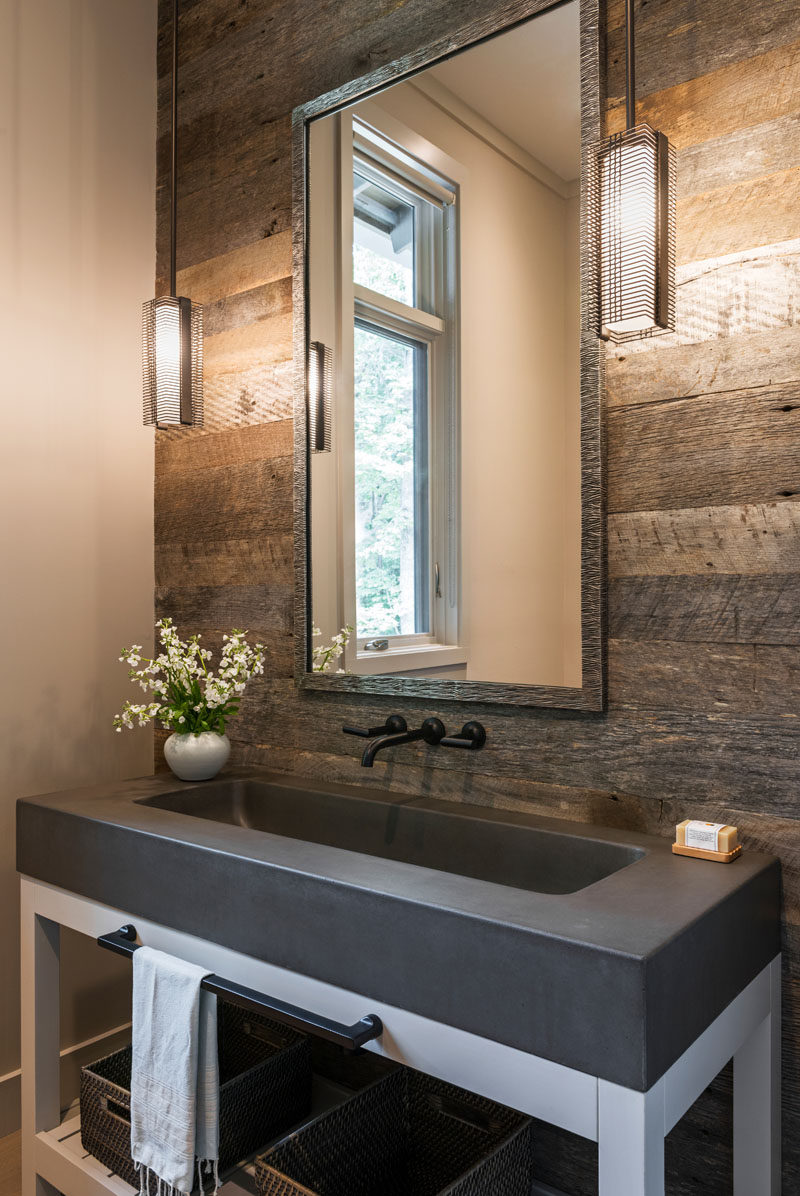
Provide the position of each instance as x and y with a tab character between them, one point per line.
123	942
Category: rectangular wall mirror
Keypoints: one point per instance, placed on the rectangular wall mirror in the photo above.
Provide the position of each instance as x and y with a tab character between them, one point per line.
449	496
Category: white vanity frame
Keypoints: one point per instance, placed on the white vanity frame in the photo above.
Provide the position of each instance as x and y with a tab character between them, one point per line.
629	1126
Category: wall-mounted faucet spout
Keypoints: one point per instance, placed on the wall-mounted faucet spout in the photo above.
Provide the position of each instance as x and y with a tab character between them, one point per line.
432	731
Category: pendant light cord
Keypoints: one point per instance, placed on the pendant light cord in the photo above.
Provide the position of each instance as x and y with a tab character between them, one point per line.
173	169
630	67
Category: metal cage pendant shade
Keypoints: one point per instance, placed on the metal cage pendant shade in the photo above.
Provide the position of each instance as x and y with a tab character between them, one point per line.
172	326
632	214
172	361
319	396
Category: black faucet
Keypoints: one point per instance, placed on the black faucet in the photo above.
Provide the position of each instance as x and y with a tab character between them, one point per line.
432	731
395	730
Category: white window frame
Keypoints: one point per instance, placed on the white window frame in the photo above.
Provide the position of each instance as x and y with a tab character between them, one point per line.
435	324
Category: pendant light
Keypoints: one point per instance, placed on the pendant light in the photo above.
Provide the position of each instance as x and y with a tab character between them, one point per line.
320	396
172	327
632	211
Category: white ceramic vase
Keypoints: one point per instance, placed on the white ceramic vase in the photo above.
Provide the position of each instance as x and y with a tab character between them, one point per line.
197	757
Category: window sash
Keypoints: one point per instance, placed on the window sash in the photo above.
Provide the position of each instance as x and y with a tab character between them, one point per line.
428	245
423	597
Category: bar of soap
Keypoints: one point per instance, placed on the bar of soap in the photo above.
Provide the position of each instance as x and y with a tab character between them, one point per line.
708	836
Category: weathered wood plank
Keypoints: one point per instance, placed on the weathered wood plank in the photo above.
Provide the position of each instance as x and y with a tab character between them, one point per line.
716	609
207	609
703	540
749	292
240	398
277	757
740	447
243	269
238	501
727	363
665	675
202	24
219	144
248	374
680	40
778	679
749	153
267	341
758	89
759	211
246	308
199	450
227	562
742	679
253	203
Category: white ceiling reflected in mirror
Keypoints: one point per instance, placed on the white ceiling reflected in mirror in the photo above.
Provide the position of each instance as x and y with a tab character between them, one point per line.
443	276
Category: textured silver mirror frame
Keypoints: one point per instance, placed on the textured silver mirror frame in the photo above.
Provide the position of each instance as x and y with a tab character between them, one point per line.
591	696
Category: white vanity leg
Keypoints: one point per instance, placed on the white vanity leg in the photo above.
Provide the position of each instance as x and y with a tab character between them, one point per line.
630	1140
39	966
757	1103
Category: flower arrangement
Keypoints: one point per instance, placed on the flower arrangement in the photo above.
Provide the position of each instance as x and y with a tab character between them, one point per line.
188	698
325	656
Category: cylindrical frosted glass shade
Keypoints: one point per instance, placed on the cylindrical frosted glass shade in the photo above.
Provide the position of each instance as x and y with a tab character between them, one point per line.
632	207
172	362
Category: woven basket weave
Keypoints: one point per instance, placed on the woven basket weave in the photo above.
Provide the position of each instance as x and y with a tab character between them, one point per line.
406	1135
265	1087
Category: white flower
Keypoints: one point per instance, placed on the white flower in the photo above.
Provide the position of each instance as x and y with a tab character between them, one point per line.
177	670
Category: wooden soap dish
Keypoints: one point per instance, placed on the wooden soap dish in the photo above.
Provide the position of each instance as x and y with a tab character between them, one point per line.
720	857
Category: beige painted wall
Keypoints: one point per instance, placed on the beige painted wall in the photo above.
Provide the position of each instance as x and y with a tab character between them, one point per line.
77	224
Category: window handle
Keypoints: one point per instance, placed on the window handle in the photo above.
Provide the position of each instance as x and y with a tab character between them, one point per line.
437	581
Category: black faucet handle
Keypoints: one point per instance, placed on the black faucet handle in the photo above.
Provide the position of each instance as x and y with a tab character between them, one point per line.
472	738
433	731
394	725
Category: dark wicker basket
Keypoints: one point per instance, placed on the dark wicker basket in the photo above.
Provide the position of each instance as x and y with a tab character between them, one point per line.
406	1135
265	1087
348	1069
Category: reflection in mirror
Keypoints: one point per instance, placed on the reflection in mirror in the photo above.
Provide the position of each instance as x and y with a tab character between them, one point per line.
443	275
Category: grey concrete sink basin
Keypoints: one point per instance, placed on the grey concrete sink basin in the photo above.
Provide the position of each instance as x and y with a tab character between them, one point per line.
590	946
416	831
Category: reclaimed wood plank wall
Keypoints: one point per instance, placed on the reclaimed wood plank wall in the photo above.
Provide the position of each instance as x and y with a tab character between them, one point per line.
703	457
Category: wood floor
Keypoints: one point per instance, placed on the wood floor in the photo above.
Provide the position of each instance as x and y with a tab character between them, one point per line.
10	1165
